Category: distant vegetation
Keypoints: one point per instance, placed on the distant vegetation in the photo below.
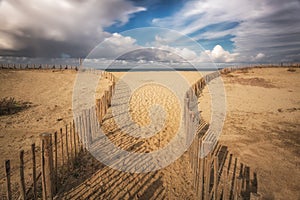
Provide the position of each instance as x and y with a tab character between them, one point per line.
291	70
9	105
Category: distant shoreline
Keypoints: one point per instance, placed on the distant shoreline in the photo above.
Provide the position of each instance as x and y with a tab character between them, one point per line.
136	69
158	69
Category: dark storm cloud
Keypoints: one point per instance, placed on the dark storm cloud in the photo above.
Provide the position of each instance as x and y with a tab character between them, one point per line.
150	54
268	28
37	28
275	33
41	47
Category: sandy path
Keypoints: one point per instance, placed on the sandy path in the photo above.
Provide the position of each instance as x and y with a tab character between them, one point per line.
143	92
262	126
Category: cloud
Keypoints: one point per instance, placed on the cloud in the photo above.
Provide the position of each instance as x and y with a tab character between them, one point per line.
259	57
114	46
126	48
270	27
184	53
50	28
164	50
218	54
210	35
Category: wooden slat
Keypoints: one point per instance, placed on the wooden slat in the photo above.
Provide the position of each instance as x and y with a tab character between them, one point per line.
34	179
8	183
22	179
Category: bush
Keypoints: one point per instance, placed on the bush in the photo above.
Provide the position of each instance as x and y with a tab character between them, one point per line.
9	105
291	70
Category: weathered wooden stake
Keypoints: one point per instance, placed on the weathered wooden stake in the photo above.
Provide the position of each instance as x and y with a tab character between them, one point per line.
8	184
74	139
89	136
71	142
201	178
225	184
216	177
62	146
56	163
239	187
22	179
67	148
46	161
80	140
34	171
207	178
102	107
85	128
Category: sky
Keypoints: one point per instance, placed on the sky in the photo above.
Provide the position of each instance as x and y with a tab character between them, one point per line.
260	31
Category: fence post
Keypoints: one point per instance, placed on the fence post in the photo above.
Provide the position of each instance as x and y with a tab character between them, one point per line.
89	136
98	106
22	180
110	94
67	148
207	178
46	161
56	162
239	187
186	118
225	186
102	109
74	135
71	142
216	177
8	185
62	145
34	171
107	98
80	132
201	178
84	129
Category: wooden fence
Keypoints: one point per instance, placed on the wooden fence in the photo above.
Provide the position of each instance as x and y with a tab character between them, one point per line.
56	153
217	174
36	66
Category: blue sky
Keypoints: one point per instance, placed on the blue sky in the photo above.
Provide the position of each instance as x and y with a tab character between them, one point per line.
155	9
164	8
234	31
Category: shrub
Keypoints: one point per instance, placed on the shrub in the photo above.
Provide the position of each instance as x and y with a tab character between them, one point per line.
9	105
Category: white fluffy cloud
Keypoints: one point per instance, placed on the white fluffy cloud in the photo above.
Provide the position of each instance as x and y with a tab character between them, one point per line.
218	54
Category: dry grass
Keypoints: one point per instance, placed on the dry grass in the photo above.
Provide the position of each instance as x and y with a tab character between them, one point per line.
9	106
291	70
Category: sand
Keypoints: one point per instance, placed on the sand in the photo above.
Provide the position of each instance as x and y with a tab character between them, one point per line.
261	128
50	94
172	182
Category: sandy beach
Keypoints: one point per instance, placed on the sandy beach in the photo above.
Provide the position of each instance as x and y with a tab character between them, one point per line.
261	129
262	126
